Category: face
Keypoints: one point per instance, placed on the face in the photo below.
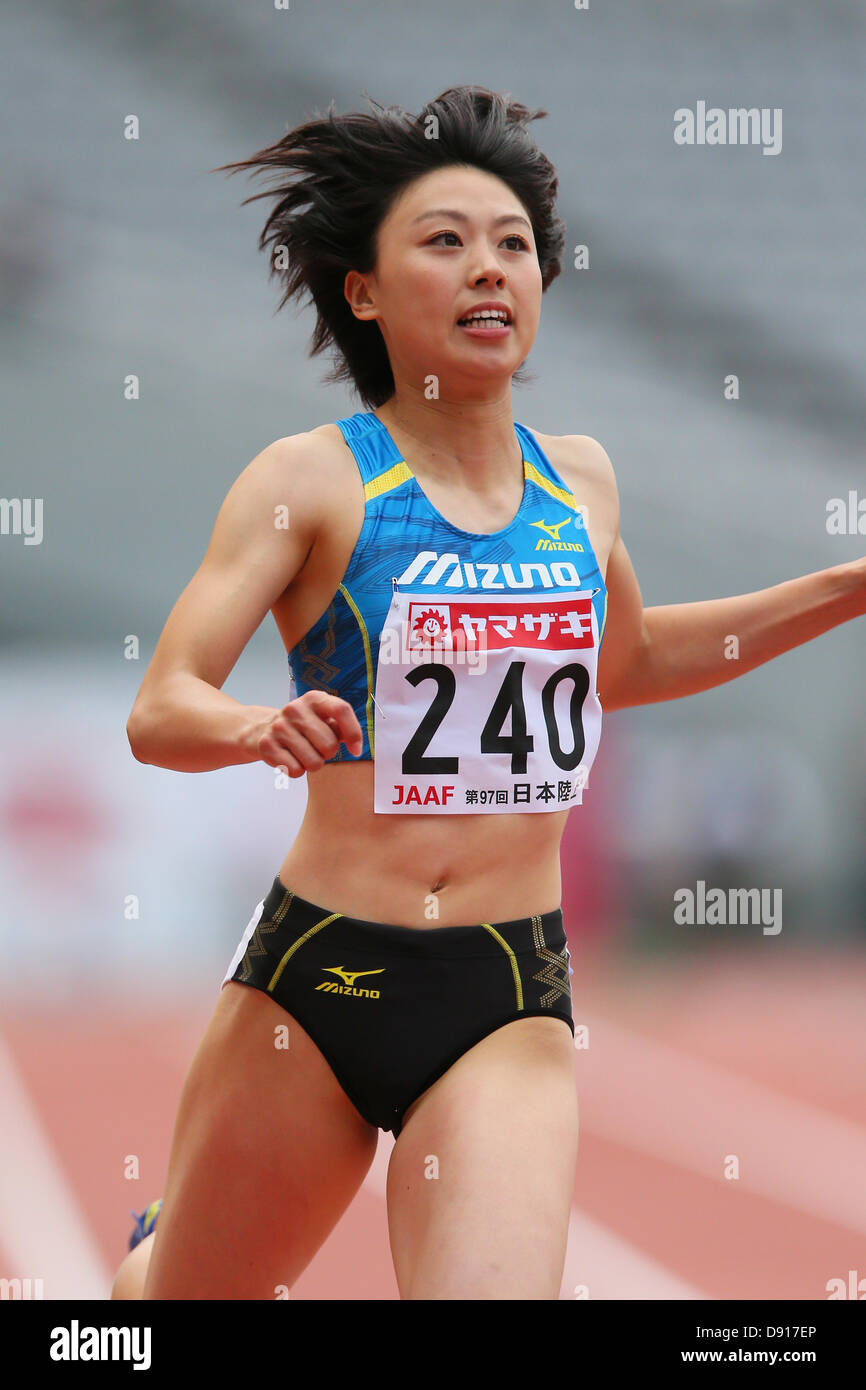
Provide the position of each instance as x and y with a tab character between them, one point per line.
453	239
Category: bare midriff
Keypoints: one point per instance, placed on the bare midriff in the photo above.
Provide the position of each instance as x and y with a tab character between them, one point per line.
419	870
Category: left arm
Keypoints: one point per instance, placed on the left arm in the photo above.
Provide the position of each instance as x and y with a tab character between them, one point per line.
680	649
652	654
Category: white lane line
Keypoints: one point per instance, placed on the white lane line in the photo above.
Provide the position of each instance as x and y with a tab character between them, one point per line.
606	1266
44	1233
601	1260
650	1097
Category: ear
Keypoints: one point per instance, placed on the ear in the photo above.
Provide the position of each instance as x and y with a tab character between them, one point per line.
358	294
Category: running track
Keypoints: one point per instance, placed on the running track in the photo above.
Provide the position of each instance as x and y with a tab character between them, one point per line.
687	1062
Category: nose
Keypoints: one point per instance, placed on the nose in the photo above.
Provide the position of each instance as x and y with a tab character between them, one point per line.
487	271
493	275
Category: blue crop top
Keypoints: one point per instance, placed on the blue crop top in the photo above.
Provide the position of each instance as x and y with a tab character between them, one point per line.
403	537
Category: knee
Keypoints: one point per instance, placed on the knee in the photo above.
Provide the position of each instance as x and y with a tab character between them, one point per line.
130	1277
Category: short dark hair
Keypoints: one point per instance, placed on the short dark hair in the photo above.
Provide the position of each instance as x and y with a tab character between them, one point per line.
352	169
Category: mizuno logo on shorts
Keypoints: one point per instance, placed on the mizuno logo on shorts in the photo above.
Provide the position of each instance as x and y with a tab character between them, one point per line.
349	977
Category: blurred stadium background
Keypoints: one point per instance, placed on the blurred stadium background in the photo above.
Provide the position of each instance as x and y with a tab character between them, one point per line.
121	257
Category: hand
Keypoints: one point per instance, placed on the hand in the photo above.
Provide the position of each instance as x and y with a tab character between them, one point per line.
306	731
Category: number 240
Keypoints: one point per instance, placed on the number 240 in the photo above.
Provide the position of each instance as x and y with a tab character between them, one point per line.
509	697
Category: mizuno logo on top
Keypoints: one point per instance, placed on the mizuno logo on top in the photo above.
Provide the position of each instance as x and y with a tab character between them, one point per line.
429	567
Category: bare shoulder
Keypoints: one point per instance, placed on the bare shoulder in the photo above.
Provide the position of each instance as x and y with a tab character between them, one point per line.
304	467
581	457
583	464
329	433
310	452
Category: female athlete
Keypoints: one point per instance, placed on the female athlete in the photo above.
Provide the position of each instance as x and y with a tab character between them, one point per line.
457	603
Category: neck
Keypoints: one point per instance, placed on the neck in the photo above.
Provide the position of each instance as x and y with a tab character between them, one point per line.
470	443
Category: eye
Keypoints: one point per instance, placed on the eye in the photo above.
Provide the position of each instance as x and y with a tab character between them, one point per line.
512	236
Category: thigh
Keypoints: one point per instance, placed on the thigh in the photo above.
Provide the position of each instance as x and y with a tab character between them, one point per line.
481	1178
267	1153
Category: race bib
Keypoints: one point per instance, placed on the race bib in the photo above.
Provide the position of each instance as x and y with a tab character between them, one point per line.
485	703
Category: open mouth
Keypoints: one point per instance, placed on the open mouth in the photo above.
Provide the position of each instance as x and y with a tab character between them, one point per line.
488	321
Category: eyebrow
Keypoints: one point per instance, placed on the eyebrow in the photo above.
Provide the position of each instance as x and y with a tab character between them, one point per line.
461	216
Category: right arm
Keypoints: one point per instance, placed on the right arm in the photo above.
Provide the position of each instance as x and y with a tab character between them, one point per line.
181	719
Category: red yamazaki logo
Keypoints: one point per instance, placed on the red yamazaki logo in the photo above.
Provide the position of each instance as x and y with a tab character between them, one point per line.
558	623
429	625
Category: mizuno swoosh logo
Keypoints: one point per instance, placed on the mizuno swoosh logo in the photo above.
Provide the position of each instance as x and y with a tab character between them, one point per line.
554	529
350	976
